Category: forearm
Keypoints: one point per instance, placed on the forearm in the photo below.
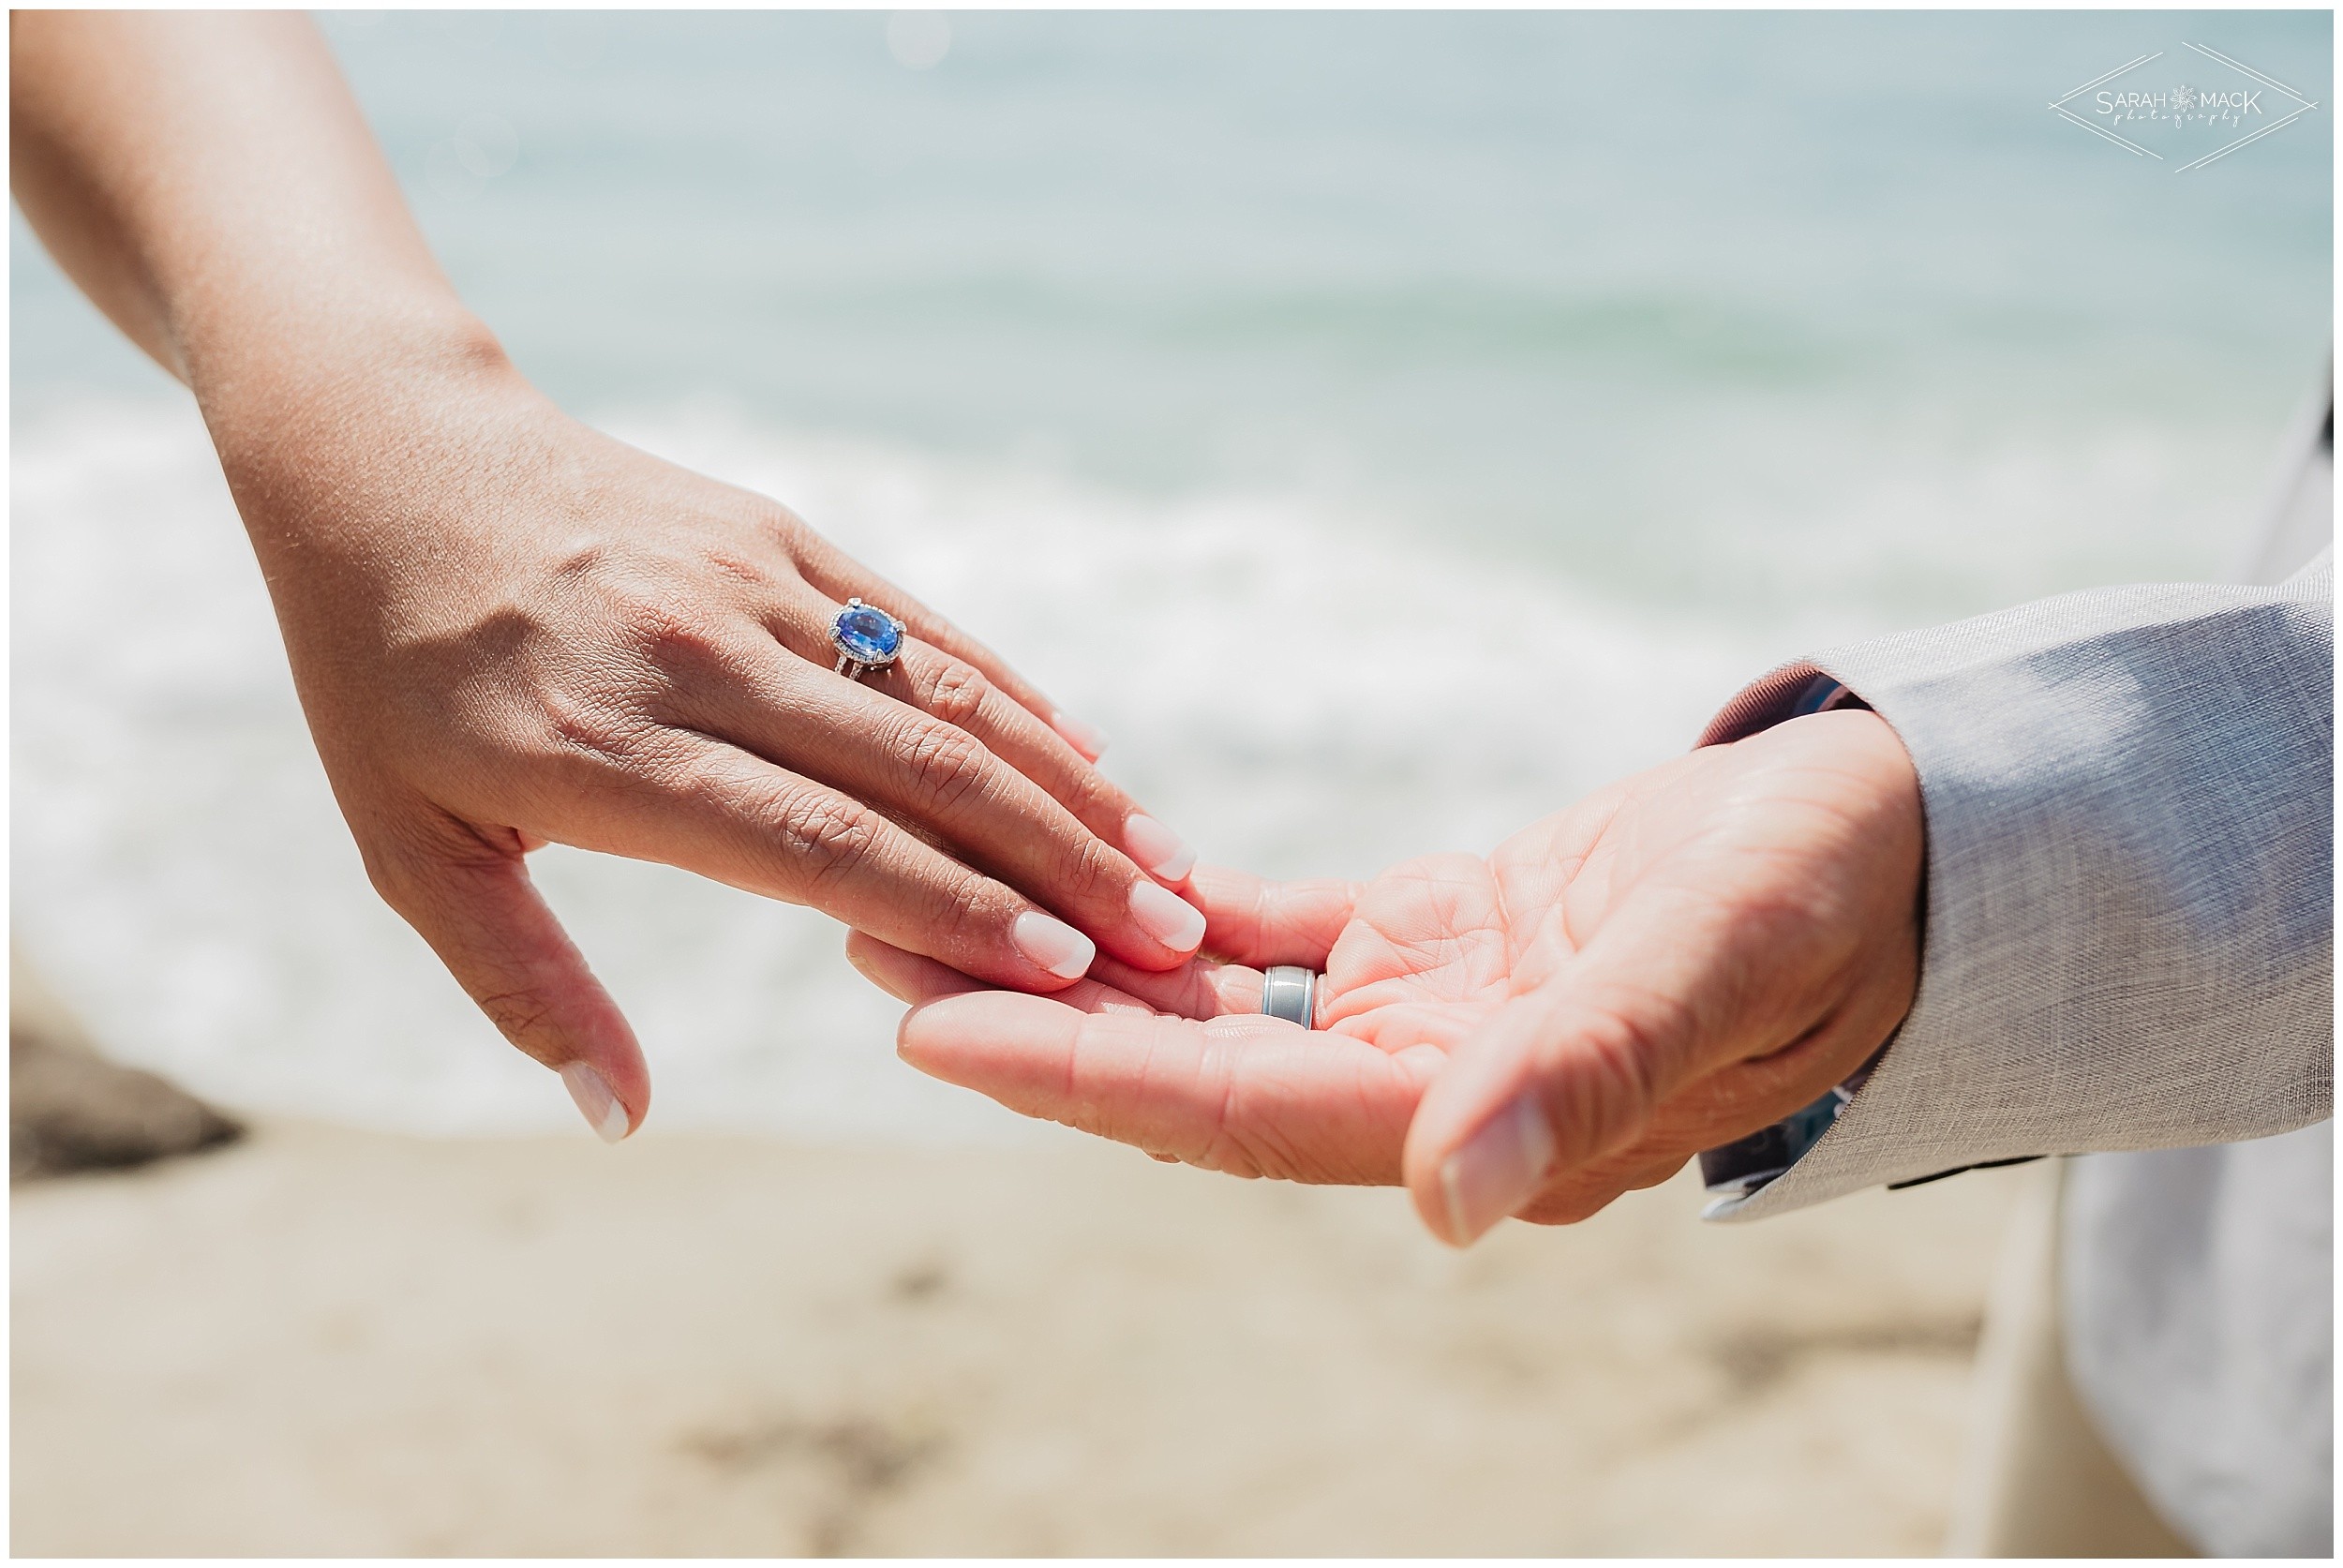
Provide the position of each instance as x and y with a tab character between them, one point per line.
208	181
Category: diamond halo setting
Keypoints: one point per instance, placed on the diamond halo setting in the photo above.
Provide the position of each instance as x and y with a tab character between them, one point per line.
867	638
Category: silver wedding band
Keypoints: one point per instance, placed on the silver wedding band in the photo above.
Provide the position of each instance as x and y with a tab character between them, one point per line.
1290	991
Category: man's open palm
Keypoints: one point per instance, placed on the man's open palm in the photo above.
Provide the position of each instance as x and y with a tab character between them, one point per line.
1680	959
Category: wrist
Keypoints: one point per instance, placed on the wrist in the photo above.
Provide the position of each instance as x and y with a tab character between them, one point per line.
331	437
267	389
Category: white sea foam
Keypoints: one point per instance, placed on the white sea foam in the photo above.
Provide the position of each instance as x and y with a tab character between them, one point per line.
1292	690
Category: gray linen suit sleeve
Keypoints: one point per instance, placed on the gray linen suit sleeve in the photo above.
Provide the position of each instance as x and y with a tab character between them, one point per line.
2129	797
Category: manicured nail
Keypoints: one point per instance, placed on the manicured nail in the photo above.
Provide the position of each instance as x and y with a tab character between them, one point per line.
1157	847
1499	1169
1081	736
1052	943
603	1111
1170	919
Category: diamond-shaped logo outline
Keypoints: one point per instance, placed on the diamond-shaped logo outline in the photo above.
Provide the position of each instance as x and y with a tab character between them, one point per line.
2058	107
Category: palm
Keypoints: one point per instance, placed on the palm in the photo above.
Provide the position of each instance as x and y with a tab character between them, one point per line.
1755	900
1426	952
1434	945
1418	958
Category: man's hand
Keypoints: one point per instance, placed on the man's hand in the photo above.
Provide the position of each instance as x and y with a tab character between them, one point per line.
1677	961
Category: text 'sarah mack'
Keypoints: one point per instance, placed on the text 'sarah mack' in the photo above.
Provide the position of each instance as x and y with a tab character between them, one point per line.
2181	104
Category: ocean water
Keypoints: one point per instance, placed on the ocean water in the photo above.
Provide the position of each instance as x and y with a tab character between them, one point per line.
1538	378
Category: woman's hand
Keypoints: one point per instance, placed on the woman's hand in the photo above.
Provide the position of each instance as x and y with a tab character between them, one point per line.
508	630
1677	961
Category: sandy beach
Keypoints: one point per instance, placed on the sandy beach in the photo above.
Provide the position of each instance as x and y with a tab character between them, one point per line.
325	1342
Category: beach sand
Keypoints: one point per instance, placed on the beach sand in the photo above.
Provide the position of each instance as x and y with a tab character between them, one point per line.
326	1341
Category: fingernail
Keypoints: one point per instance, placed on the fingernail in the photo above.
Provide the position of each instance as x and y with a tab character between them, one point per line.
1081	736
1157	847
1170	919
1052	943
1498	1171
603	1111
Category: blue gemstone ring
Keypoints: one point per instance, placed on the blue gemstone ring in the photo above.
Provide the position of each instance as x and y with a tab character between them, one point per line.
867	638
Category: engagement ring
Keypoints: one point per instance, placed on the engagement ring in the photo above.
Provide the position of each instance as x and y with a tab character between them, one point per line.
1291	993
867	638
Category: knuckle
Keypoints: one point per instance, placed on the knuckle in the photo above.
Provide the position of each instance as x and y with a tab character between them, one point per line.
665	634
412	858
518	1015
947	764
956	692
581	558
590	729
740	569
1093	872
825	840
779	524
977	915
1089	796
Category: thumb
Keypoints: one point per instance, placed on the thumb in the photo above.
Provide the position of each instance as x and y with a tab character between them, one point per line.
1568	1073
481	913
